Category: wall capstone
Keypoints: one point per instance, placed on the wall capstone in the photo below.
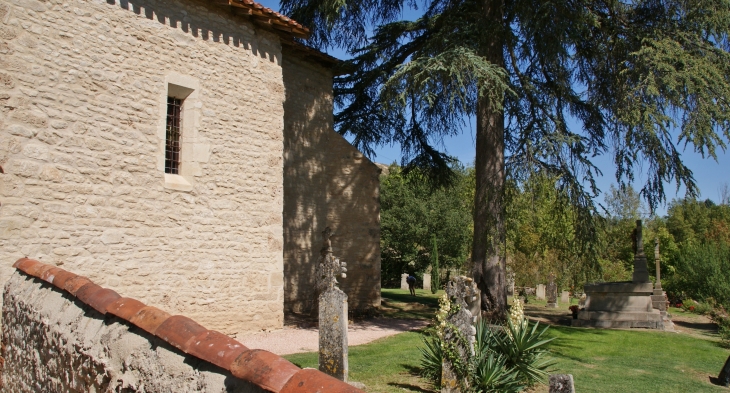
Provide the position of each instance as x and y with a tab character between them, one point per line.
103	324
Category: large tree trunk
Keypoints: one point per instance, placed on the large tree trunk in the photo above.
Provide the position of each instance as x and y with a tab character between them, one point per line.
488	254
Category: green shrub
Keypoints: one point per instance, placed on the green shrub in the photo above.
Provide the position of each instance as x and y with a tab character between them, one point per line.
703	273
721	318
702	308
506	359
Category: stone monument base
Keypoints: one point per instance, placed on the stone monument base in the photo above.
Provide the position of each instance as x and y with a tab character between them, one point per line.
621	305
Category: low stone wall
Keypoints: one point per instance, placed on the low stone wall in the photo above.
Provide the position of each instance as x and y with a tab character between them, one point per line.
63	333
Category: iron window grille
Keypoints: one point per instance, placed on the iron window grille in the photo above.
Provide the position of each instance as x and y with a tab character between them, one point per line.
173	137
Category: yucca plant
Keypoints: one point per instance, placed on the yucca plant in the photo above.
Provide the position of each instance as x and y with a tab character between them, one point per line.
492	376
431	359
524	348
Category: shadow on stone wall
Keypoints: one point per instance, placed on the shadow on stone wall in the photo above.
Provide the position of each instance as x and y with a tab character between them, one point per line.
327	182
217	27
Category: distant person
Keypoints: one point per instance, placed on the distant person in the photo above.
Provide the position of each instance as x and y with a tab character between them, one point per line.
411	280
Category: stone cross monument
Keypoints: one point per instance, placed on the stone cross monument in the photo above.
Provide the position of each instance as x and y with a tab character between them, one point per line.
623	304
658	298
460	331
657	259
332	313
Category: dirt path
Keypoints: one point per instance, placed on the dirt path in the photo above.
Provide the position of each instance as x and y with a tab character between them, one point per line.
293	339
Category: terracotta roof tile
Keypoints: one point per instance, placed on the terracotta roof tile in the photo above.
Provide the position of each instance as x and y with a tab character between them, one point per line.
179	330
216	348
19	262
26	265
100	300
125	308
310	380
259	367
39	270
149	318
60	278
86	291
274	18
264	369
74	284
50	274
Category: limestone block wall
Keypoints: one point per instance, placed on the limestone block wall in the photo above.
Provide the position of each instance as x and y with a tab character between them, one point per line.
83	87
327	182
63	333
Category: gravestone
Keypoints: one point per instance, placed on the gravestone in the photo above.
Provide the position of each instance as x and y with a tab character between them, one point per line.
624	304
464	294
724	377
582	301
540	292
403	281
561	383
510	277
333	346
426	282
565	297
551	292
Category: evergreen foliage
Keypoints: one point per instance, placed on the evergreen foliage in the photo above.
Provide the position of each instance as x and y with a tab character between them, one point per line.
435	270
641	77
413	215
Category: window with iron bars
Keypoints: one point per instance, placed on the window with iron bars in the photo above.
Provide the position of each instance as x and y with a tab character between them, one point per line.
173	140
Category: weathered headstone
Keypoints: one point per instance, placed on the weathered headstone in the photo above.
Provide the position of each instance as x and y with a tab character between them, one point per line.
510	278
464	294
333	346
565	297
724	377
426	282
552	292
582	301
404	281
561	383
540	292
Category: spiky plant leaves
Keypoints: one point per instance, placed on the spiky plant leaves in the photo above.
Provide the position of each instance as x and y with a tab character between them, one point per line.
431	359
525	349
492	376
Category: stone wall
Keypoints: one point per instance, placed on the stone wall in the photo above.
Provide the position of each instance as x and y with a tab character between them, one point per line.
83	85
63	333
56	344
327	182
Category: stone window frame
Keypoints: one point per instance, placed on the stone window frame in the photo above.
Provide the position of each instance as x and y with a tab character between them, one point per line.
194	150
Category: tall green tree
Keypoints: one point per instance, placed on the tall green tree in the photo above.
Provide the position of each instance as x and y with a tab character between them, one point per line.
416	218
435	269
639	77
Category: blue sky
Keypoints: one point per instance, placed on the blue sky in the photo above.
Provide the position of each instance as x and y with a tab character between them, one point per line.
709	174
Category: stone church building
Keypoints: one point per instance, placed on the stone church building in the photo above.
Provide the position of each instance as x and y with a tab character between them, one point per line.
180	152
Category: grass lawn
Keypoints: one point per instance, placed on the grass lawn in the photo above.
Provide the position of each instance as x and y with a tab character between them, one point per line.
636	361
398	303
600	360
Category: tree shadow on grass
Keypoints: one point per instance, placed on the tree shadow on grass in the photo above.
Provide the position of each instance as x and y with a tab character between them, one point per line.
707	328
412	388
407	298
